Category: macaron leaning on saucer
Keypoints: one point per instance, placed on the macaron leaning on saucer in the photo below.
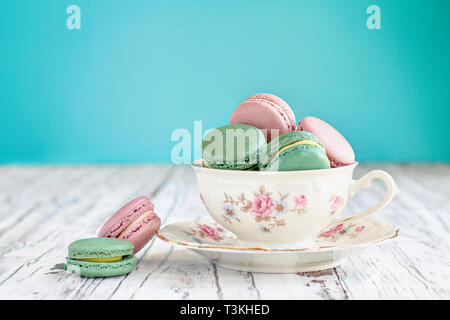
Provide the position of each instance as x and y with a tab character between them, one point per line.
267	112
233	147
297	150
136	222
339	151
100	257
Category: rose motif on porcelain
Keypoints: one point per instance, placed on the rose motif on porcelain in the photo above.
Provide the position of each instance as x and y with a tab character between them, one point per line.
336	203
350	230
202	232
266	208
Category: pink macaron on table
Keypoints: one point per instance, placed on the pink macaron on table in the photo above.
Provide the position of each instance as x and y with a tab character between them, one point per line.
135	221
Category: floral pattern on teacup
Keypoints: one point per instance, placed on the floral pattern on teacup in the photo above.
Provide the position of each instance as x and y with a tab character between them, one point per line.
204	231
336	202
262	205
266	208
335	233
300	202
280	206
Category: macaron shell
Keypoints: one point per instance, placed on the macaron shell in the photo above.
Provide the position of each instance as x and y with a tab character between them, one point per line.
124	216
141	233
265	112
241	160
338	150
99	248
100	269
281	103
284	140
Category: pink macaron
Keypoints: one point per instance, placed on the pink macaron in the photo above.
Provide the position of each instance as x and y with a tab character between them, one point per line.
136	222
339	151
266	112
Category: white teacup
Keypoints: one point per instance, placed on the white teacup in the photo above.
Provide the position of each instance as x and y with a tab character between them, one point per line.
286	206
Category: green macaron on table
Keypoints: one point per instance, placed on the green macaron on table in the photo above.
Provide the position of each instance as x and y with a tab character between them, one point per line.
100	257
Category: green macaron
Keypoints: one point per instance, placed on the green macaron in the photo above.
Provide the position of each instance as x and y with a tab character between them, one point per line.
233	147
100	257
296	150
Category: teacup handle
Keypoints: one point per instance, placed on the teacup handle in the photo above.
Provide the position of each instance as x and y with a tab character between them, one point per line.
366	182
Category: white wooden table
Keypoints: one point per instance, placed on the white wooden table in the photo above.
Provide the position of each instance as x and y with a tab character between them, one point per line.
43	209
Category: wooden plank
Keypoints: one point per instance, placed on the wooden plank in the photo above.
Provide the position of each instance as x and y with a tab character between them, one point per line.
414	265
43	209
169	273
81	209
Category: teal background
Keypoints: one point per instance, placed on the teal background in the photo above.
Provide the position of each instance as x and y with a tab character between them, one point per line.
116	89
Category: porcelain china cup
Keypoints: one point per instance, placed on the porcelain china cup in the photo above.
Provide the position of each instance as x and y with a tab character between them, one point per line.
286	206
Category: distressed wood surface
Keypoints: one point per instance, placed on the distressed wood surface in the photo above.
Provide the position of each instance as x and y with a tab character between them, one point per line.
43	209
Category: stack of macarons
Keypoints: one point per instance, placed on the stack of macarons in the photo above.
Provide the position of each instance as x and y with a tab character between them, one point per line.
262	135
112	253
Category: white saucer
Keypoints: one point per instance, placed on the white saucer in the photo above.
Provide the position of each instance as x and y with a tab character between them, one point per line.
328	249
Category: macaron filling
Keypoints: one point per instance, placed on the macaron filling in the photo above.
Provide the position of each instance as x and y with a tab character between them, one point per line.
205	164
302	142
130	217
297	143
102	259
136	224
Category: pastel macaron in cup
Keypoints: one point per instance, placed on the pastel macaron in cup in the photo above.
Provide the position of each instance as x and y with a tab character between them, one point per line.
100	257
338	150
266	112
136	222
233	147
303	182
296	150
